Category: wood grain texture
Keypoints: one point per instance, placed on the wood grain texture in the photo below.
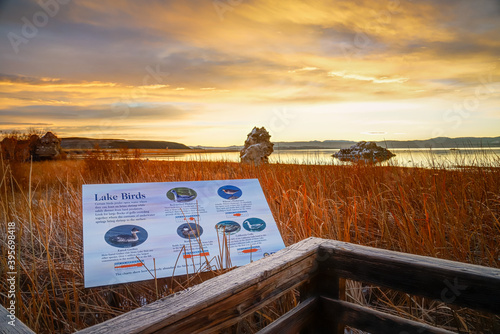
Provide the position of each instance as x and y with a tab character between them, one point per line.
372	321
19	327
295	320
318	266
452	282
223	300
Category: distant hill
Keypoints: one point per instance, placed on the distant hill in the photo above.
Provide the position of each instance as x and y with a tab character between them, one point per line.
439	142
315	144
88	143
445	142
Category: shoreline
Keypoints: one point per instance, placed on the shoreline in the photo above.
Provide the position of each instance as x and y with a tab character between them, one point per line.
131	151
447	159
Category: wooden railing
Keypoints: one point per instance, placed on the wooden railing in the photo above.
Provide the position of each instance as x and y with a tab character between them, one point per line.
15	326
318	268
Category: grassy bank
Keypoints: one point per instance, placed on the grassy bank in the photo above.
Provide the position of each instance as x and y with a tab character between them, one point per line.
450	214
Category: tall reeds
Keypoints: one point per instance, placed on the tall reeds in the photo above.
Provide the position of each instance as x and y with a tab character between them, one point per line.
450	214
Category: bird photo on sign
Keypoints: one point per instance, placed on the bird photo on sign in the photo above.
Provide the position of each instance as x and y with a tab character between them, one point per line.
228	227
190	231
181	194
125	236
229	192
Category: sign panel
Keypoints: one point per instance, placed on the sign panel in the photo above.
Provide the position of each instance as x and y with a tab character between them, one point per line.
186	227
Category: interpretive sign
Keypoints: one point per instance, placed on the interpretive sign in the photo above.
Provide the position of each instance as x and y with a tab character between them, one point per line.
133	230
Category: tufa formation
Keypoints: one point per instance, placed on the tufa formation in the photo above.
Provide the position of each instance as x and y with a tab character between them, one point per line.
364	151
258	147
40	148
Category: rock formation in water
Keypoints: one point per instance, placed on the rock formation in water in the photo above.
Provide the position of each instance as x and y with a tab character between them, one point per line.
44	148
47	147
364	151
258	147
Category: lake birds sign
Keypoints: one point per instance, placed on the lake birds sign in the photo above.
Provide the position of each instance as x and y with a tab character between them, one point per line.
133	230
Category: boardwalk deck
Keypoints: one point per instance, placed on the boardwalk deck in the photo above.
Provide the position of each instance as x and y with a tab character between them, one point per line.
317	267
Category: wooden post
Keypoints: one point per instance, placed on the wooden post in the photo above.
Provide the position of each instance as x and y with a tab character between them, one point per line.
332	286
341	296
326	283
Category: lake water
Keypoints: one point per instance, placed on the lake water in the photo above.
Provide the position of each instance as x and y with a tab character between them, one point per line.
415	157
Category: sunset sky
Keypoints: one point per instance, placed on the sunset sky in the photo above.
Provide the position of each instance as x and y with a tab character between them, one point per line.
205	72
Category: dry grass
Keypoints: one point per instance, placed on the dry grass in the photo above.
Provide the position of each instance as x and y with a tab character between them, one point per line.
450	214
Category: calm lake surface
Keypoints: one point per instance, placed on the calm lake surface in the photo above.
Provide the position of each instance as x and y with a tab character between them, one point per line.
415	157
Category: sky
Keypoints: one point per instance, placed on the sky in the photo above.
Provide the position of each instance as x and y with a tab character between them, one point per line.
205	72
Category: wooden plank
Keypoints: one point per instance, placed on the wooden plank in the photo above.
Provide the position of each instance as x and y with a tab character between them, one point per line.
452	282
332	286
372	321
19	327
223	300
237	307
295	320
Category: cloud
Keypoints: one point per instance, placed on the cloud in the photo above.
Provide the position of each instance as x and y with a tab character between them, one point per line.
115	112
48	81
24	124
375	133
354	76
183	61
22	79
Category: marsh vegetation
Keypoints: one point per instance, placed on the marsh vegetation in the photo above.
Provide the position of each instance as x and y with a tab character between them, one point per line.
437	212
